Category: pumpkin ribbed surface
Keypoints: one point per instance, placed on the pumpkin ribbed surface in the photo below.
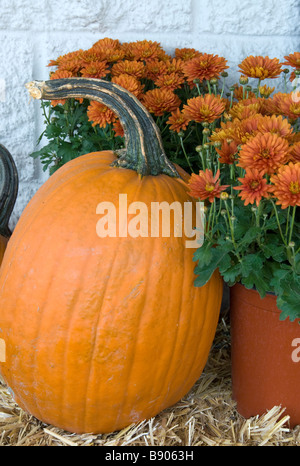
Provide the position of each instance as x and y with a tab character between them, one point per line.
101	332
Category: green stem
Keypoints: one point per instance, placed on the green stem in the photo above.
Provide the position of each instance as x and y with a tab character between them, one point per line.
185	154
232	231
278	223
292	224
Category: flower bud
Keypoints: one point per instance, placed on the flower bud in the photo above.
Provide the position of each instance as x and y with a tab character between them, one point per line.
244	80
224	196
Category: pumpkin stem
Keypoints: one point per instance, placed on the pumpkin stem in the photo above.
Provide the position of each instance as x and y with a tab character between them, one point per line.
144	150
8	189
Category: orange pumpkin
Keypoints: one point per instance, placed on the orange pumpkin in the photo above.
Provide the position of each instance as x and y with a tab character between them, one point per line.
103	332
8	194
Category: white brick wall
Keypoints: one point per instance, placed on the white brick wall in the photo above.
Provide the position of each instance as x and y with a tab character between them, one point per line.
34	31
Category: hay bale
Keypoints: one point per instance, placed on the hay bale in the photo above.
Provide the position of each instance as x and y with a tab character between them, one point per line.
206	416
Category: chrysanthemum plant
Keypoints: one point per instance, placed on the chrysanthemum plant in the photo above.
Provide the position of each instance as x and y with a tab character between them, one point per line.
241	146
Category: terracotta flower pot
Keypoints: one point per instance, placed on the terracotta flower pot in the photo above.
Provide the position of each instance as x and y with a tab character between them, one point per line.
265	356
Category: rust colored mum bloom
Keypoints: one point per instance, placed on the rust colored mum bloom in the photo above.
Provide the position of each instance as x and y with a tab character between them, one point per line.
144	50
132	67
266	152
204	66
206	185
108	43
206	108
107	49
242	109
253	187
265	90
97	69
71	61
118	128
159	101
286	185
293	59
174	66
287	104
155	68
260	67
239	93
240	131
169	81
228	152
177	121
276	125
294	152
130	83
100	115
186	54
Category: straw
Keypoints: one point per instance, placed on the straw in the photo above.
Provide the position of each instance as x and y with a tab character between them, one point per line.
206	416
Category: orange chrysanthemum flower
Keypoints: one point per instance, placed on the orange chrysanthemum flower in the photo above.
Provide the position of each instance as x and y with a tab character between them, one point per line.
276	125
253	187
118	128
207	108
132	67
155	68
228	152
174	66
260	67
186	54
71	61
107	42
287	104
242	109
107	49
238	93
206	185
294	152
130	83
240	131
144	50
160	101
96	69
265	90
177	121
204	66
286	185
293	59
170	81
100	115
266	152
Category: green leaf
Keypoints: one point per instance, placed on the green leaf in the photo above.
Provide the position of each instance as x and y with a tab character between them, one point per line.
252	274
204	253
219	258
288	300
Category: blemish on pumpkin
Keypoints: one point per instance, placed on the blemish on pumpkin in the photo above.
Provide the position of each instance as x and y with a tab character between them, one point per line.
2	350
